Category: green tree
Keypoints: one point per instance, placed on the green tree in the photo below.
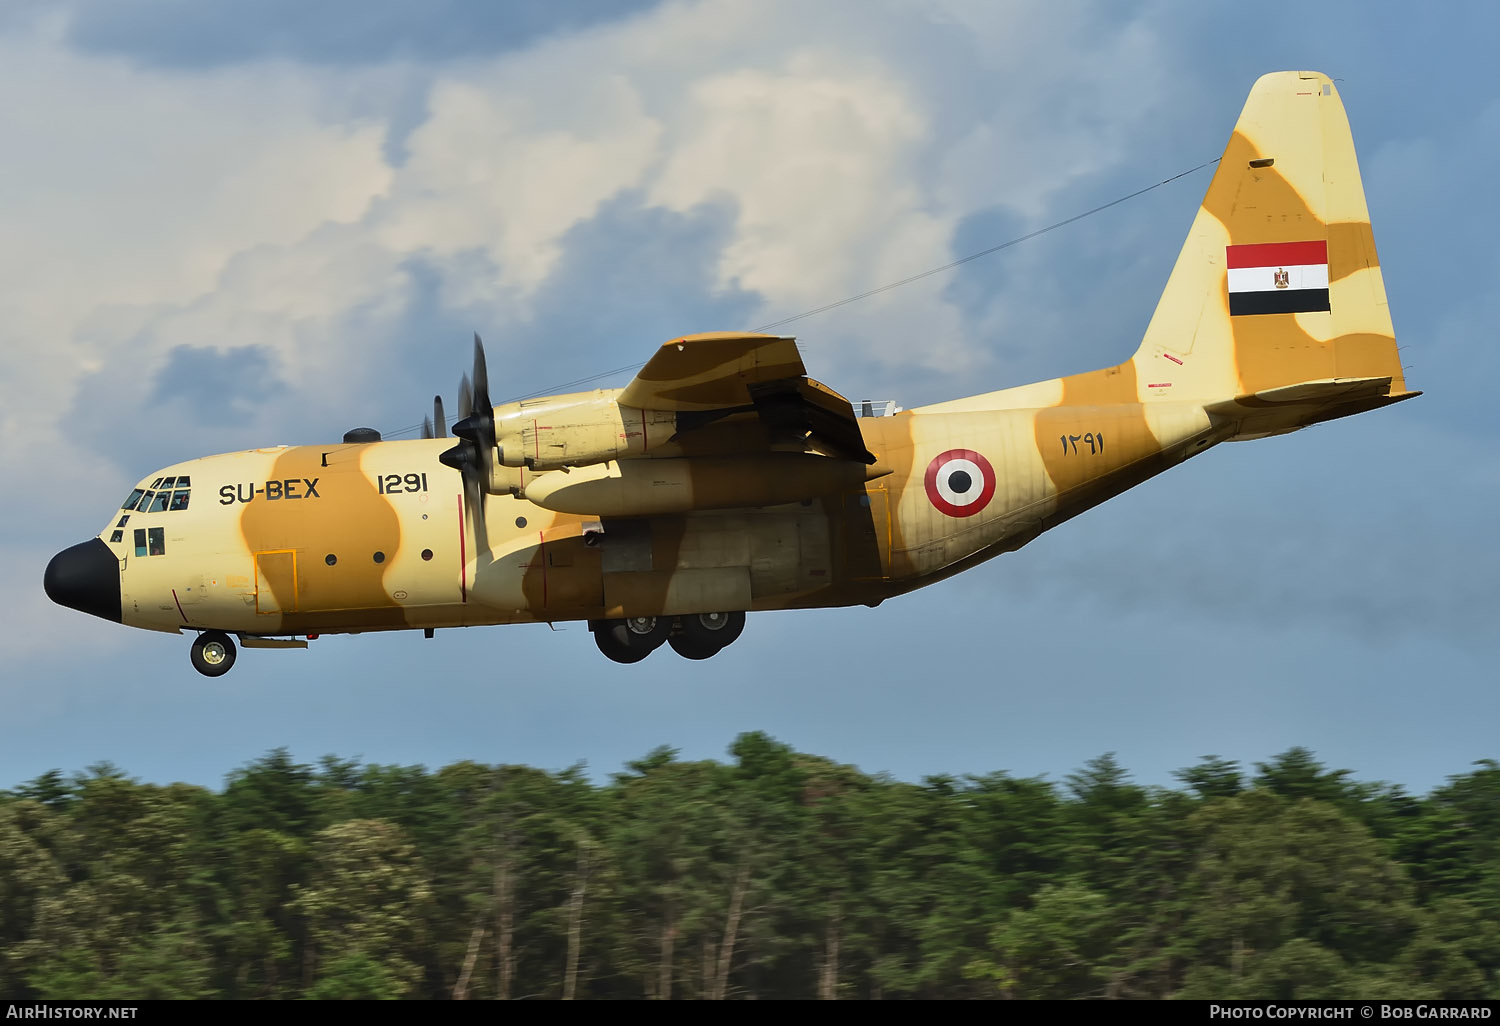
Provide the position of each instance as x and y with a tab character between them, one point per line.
1273	871
368	896
1060	947
29	874
1213	777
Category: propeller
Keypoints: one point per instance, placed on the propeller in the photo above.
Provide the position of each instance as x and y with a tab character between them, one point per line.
478	426
475	431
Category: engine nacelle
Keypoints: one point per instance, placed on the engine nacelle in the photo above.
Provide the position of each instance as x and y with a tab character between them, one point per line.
650	487
577	430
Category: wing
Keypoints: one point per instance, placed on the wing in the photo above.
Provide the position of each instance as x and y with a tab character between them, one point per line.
719	384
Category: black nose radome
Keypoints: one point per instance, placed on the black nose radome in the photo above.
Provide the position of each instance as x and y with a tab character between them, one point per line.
86	578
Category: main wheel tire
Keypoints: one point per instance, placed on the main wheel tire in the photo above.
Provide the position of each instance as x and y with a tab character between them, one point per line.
693	648
709	630
611	647
630	641
648	632
213	653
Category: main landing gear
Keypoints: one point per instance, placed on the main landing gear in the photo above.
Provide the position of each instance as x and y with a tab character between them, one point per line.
213	653
696	636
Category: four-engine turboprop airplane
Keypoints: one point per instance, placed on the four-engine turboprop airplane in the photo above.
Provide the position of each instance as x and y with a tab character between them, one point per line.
723	479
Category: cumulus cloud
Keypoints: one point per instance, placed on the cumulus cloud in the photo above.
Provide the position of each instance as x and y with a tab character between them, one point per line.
272	239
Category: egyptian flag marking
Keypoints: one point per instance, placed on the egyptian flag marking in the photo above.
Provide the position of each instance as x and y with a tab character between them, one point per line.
1277	277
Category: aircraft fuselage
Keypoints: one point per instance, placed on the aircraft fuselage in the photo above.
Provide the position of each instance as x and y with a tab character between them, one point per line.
355	537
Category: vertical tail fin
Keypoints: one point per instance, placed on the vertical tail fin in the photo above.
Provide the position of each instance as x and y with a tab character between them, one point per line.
1278	284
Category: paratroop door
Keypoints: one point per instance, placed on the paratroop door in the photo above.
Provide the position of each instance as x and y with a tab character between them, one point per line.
276	581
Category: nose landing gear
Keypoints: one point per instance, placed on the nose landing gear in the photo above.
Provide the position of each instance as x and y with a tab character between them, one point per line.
695	636
213	653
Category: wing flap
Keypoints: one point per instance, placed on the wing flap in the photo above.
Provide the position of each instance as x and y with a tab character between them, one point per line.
703	373
709	379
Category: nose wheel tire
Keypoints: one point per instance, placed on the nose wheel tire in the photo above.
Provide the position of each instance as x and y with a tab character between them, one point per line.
213	653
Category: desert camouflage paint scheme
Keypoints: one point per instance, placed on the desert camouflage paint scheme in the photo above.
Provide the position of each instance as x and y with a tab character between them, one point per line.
723	480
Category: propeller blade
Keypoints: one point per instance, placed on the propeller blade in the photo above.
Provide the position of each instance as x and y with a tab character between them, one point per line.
474	503
426	428
438	419
484	410
465	398
481	378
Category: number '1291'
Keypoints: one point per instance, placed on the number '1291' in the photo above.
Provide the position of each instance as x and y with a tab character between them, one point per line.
389	484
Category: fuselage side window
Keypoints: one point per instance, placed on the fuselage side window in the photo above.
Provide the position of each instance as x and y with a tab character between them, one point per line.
140	541
158	542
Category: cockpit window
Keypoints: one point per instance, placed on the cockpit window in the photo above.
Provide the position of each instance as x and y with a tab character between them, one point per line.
158	541
140	541
165	494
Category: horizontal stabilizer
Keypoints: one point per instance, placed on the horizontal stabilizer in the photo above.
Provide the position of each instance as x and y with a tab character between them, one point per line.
1319	392
1288	407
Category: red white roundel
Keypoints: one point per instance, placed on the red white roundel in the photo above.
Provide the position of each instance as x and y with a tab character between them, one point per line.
960	482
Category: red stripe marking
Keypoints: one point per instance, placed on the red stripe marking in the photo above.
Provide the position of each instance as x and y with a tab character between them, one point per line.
1174	359
1277	254
179	605
645	442
542	542
463	556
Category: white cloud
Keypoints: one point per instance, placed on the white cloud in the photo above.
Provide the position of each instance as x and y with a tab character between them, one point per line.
259	204
487	173
813	159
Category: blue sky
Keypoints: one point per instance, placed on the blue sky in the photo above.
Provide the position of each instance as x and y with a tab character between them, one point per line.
225	226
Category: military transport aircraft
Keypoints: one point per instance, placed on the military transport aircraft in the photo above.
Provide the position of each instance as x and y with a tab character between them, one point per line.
723	479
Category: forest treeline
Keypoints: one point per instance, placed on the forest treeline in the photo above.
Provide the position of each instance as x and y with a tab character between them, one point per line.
776	874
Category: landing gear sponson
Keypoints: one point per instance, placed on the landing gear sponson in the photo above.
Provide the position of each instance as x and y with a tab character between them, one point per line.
697	636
